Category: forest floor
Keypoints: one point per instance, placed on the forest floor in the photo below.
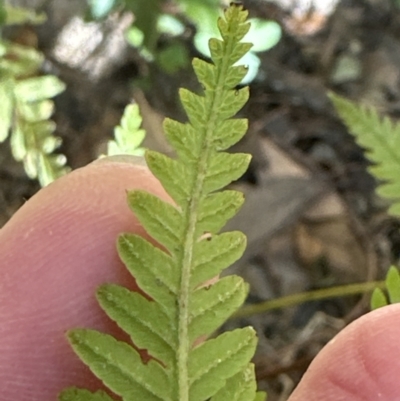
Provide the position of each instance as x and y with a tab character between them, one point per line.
312	217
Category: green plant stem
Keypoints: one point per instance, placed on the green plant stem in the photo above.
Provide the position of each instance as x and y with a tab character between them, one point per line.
295	299
183	349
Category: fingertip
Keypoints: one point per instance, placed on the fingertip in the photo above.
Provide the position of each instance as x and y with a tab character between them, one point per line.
55	251
360	364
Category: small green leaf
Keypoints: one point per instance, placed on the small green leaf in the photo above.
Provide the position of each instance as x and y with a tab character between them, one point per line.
239	33
17	141
145	322
393	284
177	180
122	369
225	168
216	360
6	108
394	209
48	170
33	160
215	254
237	75
205	72
150	267
378	299
50	144
216	209
77	394
261	396
37	111
195	107
128	135
21	15
38	88
383	170
240	51
184	139
212	305
389	191
253	63
236	99
229	132
241	387
160	219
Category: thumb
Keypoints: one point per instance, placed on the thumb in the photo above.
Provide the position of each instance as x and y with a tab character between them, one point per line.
54	252
362	363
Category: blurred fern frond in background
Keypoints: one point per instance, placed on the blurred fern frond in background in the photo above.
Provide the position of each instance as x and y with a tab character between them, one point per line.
26	105
380	138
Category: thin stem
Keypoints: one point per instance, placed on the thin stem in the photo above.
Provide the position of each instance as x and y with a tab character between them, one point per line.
295	299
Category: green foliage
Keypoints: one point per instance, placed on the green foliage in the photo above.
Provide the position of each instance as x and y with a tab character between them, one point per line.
263	34
381	139
181	304
392	282
128	135
26	107
11	15
151	21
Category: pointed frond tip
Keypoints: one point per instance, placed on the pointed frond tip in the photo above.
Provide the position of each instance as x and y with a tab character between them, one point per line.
182	298
380	137
128	136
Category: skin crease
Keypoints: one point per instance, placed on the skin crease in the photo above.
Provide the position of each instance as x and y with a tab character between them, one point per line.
61	245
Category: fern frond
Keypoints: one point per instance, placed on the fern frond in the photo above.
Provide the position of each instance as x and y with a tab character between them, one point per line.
26	109
21	15
180	305
128	135
380	137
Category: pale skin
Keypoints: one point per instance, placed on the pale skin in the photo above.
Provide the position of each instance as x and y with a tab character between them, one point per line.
61	245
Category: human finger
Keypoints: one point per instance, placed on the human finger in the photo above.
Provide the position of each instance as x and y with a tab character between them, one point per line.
362	363
54	252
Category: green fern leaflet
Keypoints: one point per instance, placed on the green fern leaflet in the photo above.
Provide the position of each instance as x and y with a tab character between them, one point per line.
381	139
26	105
392	283
128	135
182	308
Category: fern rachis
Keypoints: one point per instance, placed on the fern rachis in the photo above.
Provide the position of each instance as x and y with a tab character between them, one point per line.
178	308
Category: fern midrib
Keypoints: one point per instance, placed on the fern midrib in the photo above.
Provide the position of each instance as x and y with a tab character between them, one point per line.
191	219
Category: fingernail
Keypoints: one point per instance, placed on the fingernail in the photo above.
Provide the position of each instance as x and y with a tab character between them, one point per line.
130	159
